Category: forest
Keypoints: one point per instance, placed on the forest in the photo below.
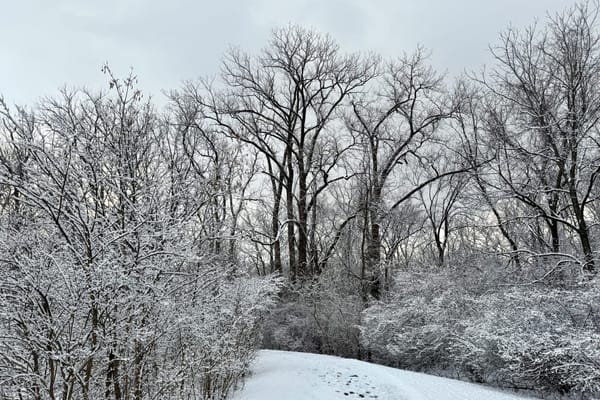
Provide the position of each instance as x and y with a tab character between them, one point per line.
309	199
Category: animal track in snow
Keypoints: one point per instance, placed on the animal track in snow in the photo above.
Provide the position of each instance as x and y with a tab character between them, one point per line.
352	385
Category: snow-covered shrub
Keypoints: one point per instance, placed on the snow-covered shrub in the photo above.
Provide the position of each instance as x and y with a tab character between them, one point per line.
109	288
415	327
222	332
322	317
535	337
186	332
541	338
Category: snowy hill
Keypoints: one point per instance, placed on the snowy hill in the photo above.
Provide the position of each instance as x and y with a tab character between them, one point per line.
280	375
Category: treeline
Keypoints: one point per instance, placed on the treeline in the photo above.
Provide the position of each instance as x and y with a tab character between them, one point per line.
375	208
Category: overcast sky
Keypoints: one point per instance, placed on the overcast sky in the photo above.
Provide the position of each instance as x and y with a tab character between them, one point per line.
45	44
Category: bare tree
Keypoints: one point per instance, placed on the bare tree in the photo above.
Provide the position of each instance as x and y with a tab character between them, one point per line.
284	103
481	154
440	201
394	122
218	169
545	120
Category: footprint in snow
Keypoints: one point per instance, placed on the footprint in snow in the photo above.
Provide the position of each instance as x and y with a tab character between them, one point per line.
355	384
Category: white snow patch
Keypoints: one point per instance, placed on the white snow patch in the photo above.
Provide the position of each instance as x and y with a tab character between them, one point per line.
281	375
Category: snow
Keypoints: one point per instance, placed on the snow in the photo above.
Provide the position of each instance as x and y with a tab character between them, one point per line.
281	375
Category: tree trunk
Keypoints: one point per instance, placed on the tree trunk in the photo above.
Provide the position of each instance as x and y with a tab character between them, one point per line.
112	377
374	243
554	234
302	222
137	371
314	255
582	231
291	221
276	265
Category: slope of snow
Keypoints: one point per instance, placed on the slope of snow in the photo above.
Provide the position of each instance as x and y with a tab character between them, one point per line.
280	375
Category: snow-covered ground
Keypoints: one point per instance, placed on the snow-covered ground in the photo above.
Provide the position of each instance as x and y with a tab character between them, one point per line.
281	375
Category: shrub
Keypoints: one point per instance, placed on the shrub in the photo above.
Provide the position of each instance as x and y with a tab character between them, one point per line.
532	337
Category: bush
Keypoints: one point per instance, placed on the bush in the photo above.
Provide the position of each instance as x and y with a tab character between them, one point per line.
530	337
188	329
322	317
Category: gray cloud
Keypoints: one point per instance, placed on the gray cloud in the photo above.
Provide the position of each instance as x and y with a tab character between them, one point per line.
47	44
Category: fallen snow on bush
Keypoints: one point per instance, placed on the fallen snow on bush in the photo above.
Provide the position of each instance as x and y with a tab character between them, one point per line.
281	375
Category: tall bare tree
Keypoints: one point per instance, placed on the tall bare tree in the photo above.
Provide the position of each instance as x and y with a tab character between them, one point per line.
393	122
284	103
546	85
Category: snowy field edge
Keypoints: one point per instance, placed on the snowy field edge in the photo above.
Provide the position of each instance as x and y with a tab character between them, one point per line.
286	375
